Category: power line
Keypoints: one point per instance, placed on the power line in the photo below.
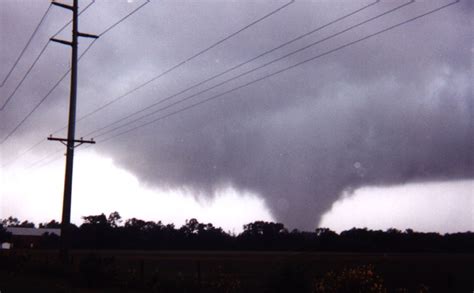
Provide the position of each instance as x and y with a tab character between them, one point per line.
281	46
69	22
233	78
24	48
174	67
63	76
239	31
85	51
37	57
229	69
135	89
180	63
24	153
37	163
41	101
25	76
123	18
169	70
318	56
283	70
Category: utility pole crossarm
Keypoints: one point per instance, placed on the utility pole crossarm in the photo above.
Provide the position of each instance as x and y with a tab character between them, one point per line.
61	42
65	140
63	5
87	35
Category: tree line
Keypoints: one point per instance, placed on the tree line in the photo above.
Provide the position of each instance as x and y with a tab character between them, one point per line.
102	232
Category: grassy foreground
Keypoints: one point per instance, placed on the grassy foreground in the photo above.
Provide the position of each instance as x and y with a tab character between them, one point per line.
213	271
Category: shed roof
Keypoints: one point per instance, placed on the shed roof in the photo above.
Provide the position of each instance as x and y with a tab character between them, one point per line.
22	231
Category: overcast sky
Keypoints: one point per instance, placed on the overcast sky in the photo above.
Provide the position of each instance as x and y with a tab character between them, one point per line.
376	133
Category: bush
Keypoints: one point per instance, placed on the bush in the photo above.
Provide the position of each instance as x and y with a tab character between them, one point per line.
358	279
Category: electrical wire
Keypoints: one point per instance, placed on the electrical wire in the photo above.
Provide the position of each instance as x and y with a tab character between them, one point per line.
41	101
283	70
24	48
179	64
37	58
227	70
60	80
25	76
156	77
167	71
24	152
37	163
69	22
232	78
40	142
123	18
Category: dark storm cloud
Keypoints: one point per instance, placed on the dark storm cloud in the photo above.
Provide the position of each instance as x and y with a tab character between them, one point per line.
394	109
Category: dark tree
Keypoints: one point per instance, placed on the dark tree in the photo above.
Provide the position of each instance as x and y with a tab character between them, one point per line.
96	220
101	232
114	219
10	222
53	224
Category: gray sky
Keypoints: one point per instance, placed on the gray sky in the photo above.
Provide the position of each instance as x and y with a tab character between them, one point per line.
391	110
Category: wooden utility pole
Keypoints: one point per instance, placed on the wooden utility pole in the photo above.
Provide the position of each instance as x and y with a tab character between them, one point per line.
70	142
